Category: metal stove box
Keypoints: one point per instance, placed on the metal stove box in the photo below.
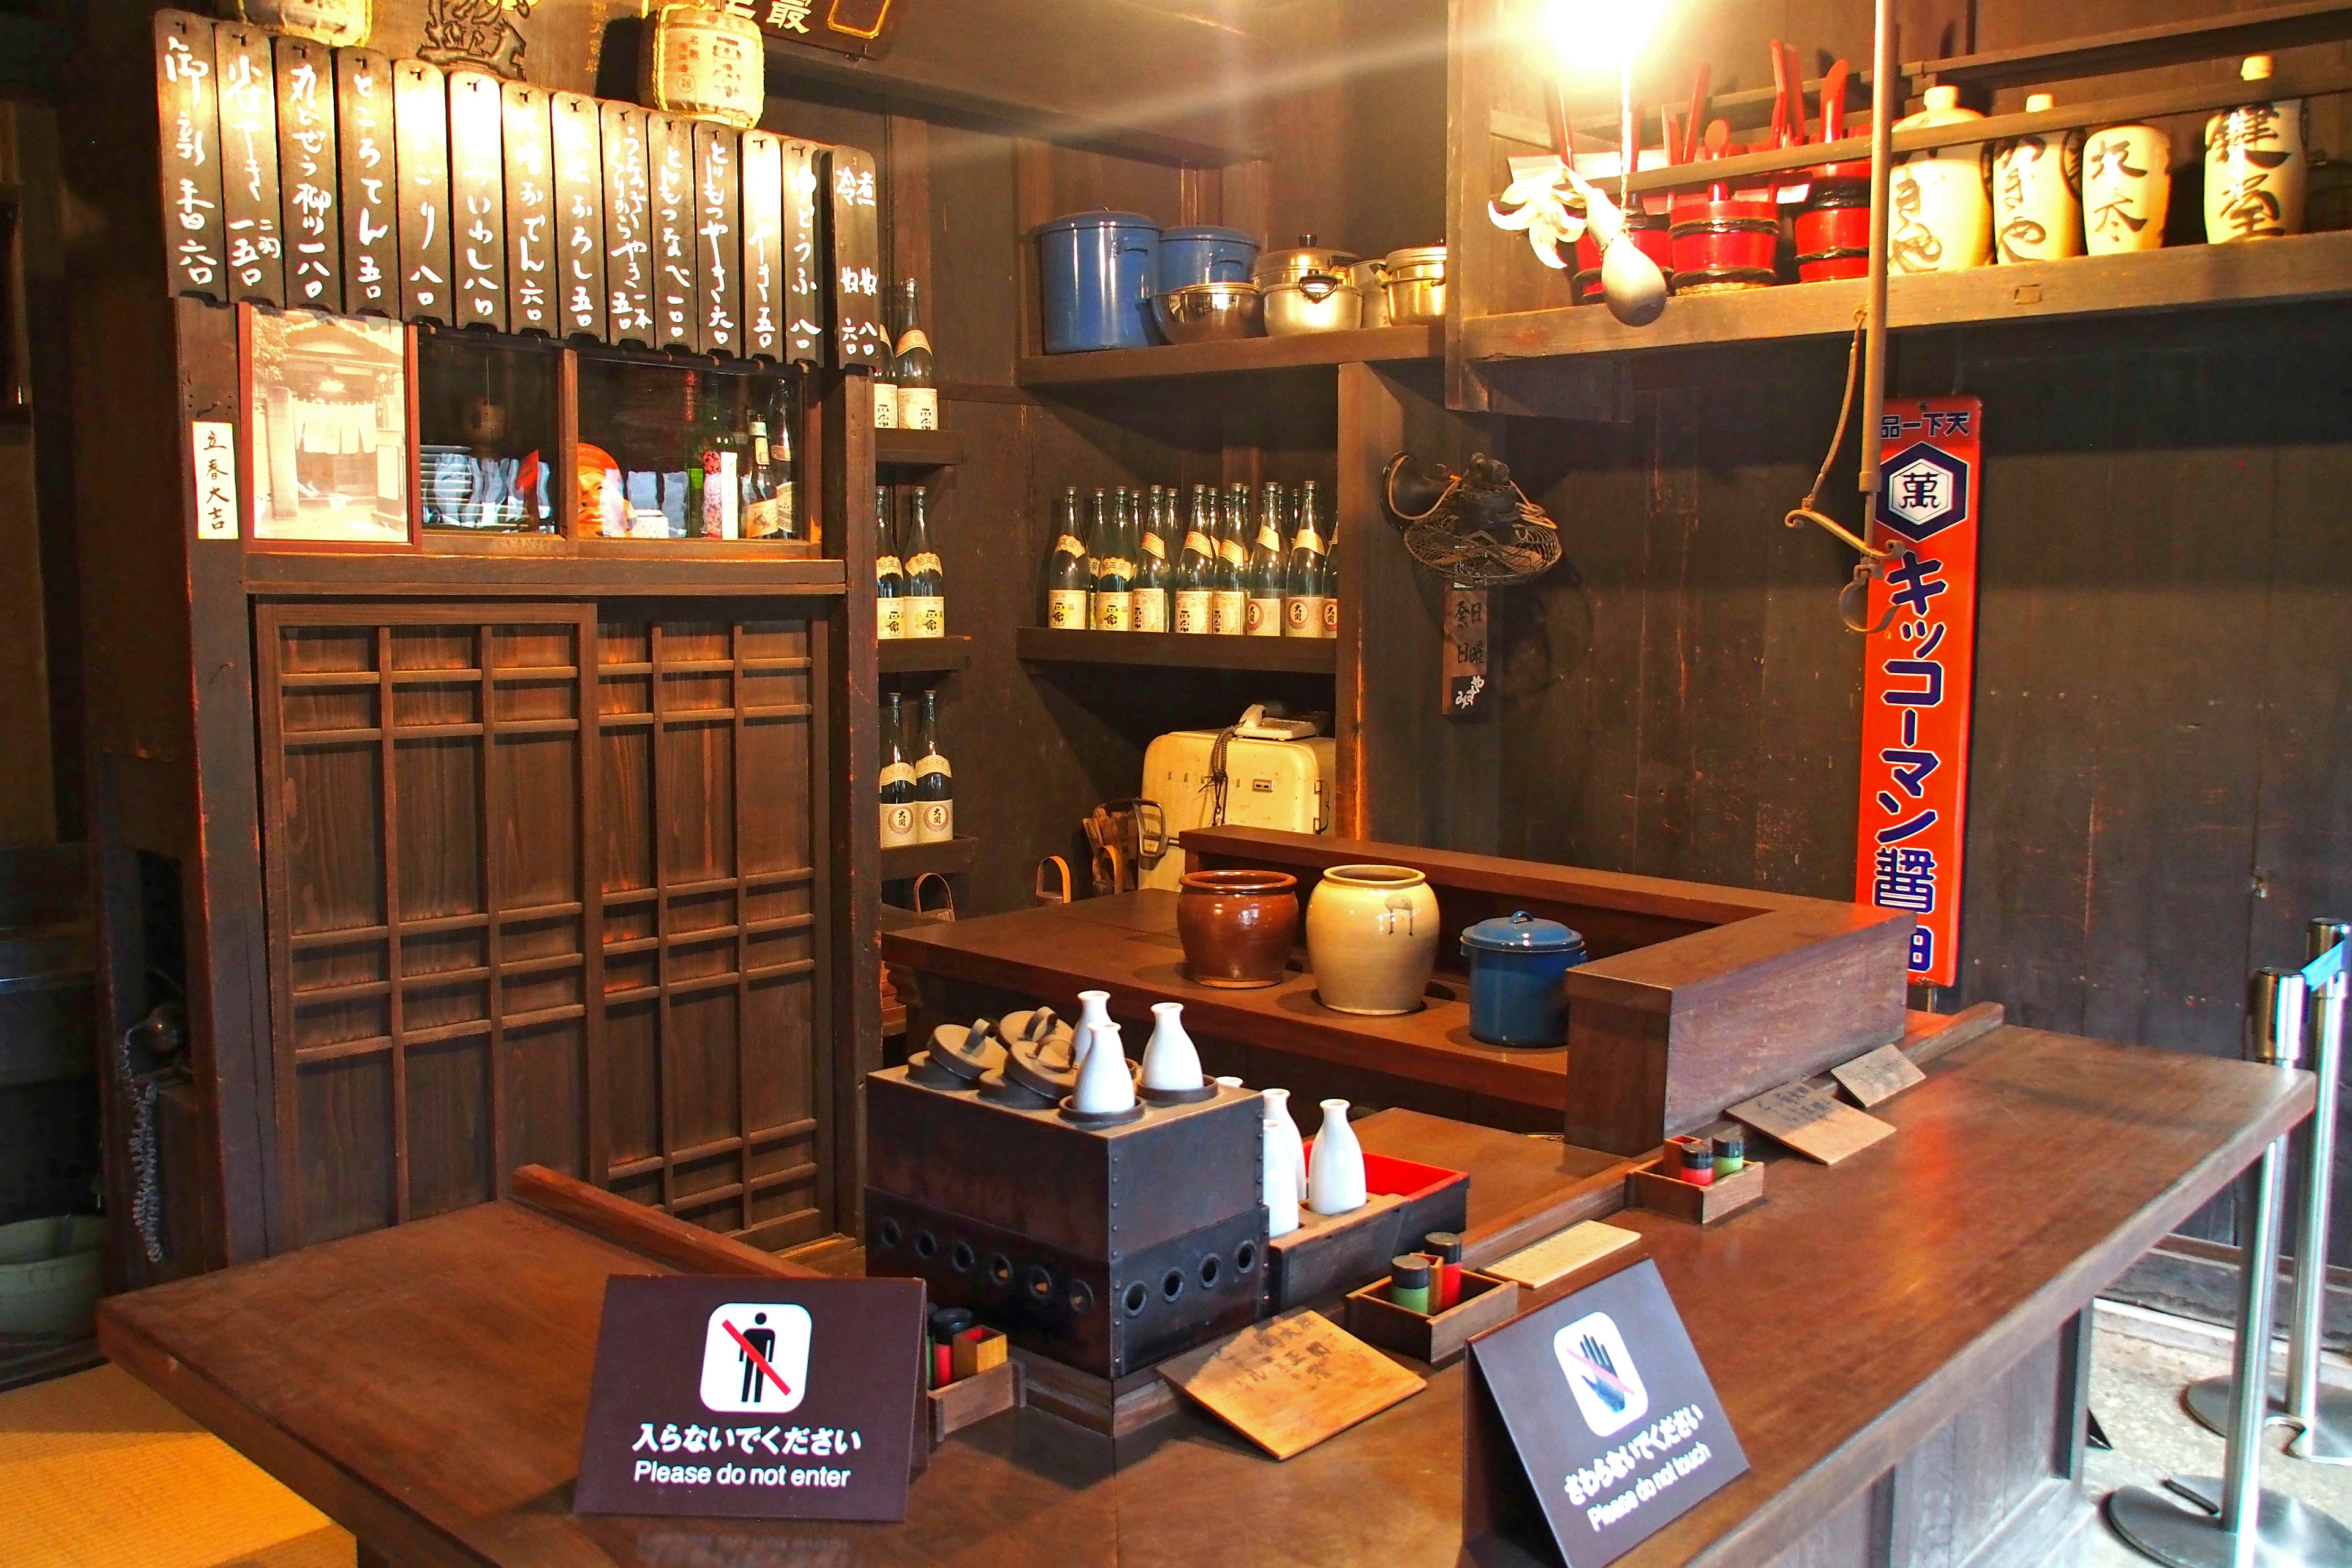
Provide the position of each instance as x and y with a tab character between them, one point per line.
1105	1249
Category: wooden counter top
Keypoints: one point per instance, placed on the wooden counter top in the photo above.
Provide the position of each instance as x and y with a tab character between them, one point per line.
425	1386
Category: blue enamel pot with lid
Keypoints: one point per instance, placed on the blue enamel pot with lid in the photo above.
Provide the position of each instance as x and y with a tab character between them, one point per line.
1099	271
1518	963
1202	252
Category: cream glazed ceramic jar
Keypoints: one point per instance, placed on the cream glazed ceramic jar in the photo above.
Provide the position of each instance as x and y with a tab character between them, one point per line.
2037	211
1942	218
2255	164
2126	189
1372	939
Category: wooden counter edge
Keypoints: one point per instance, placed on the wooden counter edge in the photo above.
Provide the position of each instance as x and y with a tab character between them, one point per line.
647	1232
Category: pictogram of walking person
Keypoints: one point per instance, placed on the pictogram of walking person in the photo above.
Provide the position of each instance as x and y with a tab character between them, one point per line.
762	1339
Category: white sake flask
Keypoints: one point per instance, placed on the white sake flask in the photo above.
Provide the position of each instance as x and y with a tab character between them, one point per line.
1106	1083
1277	1108
1279	1180
2256	165
1170	1062
1094	1012
1335	1176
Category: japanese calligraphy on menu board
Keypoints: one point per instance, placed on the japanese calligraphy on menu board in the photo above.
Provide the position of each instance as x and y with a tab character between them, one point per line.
189	115
1920	674
718	239
763	246
855	272
478	239
369	176
579	161
420	126
669	152
530	210
313	238
628	226
248	136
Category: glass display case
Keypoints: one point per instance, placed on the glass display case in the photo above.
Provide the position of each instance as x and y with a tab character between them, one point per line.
690	451
488	427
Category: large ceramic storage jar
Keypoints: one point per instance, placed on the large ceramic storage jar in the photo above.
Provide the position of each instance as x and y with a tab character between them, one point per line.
1372	939
2037	208
1100	270
2254	165
2126	189
1942	217
1237	926
1306	289
1416	286
1516	965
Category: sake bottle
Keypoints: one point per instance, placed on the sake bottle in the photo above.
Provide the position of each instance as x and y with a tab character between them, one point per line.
934	780
1151	573
885	377
889	577
1228	603
897	780
913	369
1331	589
1196	568
1097	546
1067	581
1264	573
927	605
1302	602
1114	594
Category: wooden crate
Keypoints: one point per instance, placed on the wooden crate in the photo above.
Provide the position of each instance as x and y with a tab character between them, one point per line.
1660	1193
1435	1338
968	1400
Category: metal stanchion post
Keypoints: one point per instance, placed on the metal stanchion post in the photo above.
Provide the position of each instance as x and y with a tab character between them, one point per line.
2240	1525
2323	1415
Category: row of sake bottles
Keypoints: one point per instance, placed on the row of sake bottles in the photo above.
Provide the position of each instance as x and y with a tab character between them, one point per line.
918	785
910	587
1259	570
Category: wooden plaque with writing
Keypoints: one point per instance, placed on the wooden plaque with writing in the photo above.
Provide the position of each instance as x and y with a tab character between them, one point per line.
370	183
763	247
1809	1121
478	242
530	210
188	114
628	226
248	133
312	228
718	232
1877	1076
854	269
1287	1384
669	148
577	146
420	117
803	244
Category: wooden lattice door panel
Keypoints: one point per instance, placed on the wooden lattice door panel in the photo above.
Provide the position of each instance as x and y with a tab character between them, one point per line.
709	758
434	962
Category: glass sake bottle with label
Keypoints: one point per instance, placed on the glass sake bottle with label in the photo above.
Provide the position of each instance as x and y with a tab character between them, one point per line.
1151	573
886	375
763	489
1097	545
1067	581
889	577
1229	602
1196	569
1331	575
1264	573
1114	594
1302	599
934	780
927	605
898	814
914	369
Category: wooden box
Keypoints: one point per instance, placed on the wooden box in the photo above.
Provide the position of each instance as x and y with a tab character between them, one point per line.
1695	998
1650	1189
1435	1338
1327	1256
970	1400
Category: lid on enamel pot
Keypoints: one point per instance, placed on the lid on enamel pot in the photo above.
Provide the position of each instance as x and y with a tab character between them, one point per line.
1522	932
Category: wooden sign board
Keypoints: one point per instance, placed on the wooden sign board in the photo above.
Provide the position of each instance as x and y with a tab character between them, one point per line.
307	178
1289	1384
369	176
420	119
1466	652
853	268
1877	1076
628	226
530	209
763	247
669	154
247	83
803	260
477	199
188	115
1557	1255
1809	1121
578	158
718	234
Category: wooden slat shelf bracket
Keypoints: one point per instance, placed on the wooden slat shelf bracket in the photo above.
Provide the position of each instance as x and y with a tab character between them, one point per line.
1361	345
917	448
923	655
908	861
1298	655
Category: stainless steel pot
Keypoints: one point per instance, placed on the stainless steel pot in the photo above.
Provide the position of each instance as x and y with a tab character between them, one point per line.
1369	278
1306	289
1416	285
1306	259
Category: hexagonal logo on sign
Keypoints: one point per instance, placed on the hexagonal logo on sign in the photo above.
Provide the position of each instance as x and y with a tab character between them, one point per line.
1922	492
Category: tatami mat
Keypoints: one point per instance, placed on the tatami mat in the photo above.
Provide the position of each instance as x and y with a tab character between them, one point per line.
98	1472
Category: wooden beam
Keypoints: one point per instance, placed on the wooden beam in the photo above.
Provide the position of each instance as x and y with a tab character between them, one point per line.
2145	48
646	1230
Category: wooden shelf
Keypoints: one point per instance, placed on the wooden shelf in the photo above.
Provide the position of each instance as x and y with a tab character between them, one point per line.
921	656
917	448
1295	655
913	860
607	573
2192	277
1364	343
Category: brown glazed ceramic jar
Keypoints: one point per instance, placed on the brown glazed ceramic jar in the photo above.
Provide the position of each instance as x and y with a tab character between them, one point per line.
1237	926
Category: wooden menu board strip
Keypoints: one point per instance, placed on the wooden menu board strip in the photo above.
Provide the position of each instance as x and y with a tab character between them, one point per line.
530	209
368	178
669	154
1289	1384
188	115
577	144
803	258
306	174
628	226
763	246
248	133
420	119
853	268
718	234
1809	1121
477	199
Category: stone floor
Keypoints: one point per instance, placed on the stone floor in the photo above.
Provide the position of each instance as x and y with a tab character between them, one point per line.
2141	1362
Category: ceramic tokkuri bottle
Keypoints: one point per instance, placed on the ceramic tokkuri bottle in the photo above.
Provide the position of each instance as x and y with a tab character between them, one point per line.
2126	189
1335	1170
1941	216
1171	1064
1277	1112
1278	1178
1094	1012
1106	1083
2255	164
2037	207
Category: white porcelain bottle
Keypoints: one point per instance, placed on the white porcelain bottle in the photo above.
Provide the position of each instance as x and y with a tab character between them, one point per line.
1278	1178
1106	1083
1942	215
2126	189
1335	1176
1277	1108
1094	1012
1171	1063
2037	206
2255	164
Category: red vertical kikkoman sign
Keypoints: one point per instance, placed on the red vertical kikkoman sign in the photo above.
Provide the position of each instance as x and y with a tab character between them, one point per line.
1920	674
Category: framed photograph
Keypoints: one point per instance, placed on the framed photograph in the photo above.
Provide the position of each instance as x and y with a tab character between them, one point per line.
329	407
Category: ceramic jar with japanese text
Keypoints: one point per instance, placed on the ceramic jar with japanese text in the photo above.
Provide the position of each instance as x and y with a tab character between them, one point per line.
2255	164
1942	218
2126	189
1372	939
2037	206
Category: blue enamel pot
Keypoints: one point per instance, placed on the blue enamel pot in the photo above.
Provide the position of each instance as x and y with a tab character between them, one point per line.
1518	966
1099	271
